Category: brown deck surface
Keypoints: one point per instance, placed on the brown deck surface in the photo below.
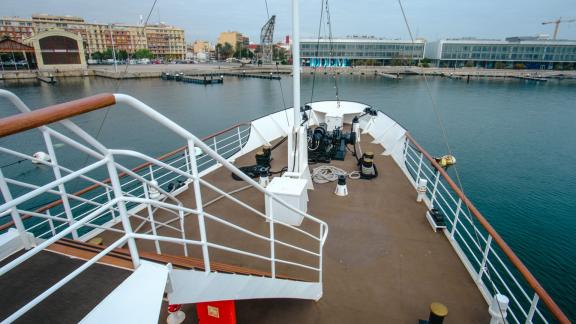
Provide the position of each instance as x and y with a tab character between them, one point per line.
382	261
70	303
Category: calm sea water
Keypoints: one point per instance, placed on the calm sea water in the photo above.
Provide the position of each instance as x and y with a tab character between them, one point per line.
515	142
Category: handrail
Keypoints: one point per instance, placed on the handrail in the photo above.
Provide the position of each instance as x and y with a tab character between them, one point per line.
120	175
532	281
44	116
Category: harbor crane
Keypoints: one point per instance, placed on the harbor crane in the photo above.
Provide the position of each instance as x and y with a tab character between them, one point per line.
266	40
557	22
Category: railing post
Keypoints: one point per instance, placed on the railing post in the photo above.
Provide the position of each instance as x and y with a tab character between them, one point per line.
181	216
24	236
111	207
532	310
151	172
151	217
434	189
117	188
320	276
187	159
419	170
456	218
484	258
215	144
239	139
272	242
199	208
51	223
406	143
61	187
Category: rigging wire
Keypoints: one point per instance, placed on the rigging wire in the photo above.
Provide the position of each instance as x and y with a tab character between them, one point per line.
448	147
330	40
317	50
107	109
280	78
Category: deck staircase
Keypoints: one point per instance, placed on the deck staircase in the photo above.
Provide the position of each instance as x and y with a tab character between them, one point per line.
185	278
128	205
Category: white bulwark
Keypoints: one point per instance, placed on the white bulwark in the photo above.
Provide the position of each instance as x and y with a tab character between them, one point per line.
532	52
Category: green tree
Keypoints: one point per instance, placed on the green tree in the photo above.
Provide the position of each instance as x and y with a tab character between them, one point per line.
469	64
399	61
122	55
519	66
226	50
97	56
143	54
425	62
218	50
500	65
107	54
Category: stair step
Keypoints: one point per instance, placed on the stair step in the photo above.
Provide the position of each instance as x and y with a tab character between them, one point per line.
121	258
136	300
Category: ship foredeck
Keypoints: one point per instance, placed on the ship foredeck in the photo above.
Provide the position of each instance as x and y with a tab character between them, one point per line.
382	261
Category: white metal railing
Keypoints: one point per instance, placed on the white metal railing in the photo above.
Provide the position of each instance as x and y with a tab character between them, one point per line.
486	262
115	204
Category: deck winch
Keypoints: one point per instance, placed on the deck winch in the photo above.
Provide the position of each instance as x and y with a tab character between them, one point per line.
367	167
325	145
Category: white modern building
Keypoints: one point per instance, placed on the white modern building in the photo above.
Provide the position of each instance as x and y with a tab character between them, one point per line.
538	52
360	50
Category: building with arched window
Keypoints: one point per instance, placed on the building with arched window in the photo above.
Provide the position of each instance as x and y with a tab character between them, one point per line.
58	50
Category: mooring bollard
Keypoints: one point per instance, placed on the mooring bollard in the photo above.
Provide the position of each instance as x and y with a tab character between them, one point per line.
498	309
437	313
421	189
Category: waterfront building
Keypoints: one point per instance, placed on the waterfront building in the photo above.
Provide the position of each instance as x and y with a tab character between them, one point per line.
166	41
16	28
201	46
360	51
233	38
514	52
162	40
58	50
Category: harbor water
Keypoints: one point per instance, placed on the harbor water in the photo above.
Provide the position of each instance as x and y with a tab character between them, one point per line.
514	141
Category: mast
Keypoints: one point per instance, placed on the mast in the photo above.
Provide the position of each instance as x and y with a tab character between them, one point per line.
294	163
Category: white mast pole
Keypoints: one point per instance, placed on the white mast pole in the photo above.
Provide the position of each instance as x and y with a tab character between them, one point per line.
294	163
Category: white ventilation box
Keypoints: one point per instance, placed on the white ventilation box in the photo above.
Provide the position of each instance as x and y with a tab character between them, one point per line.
334	119
292	191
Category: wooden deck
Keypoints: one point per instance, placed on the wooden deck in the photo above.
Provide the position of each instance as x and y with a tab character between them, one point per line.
382	261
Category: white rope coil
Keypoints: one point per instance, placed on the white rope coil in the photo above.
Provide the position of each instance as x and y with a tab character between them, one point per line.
329	173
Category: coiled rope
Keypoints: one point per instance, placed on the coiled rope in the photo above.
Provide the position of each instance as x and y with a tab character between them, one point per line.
329	173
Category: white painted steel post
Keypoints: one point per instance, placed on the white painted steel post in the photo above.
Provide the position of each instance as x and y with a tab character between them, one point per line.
215	144
498	309
61	187
111	208
456	218
117	188
532	310
14	213
419	168
151	172
272	247
183	232
433	197
199	208
239	139
484	258
151	217
320	252
187	159
51	223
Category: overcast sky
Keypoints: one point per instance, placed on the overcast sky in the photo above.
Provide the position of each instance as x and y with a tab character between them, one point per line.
431	19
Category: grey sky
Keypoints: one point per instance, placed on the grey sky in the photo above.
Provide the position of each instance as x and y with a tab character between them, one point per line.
431	19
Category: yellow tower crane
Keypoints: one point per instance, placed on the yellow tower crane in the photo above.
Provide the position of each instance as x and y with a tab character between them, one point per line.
557	22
